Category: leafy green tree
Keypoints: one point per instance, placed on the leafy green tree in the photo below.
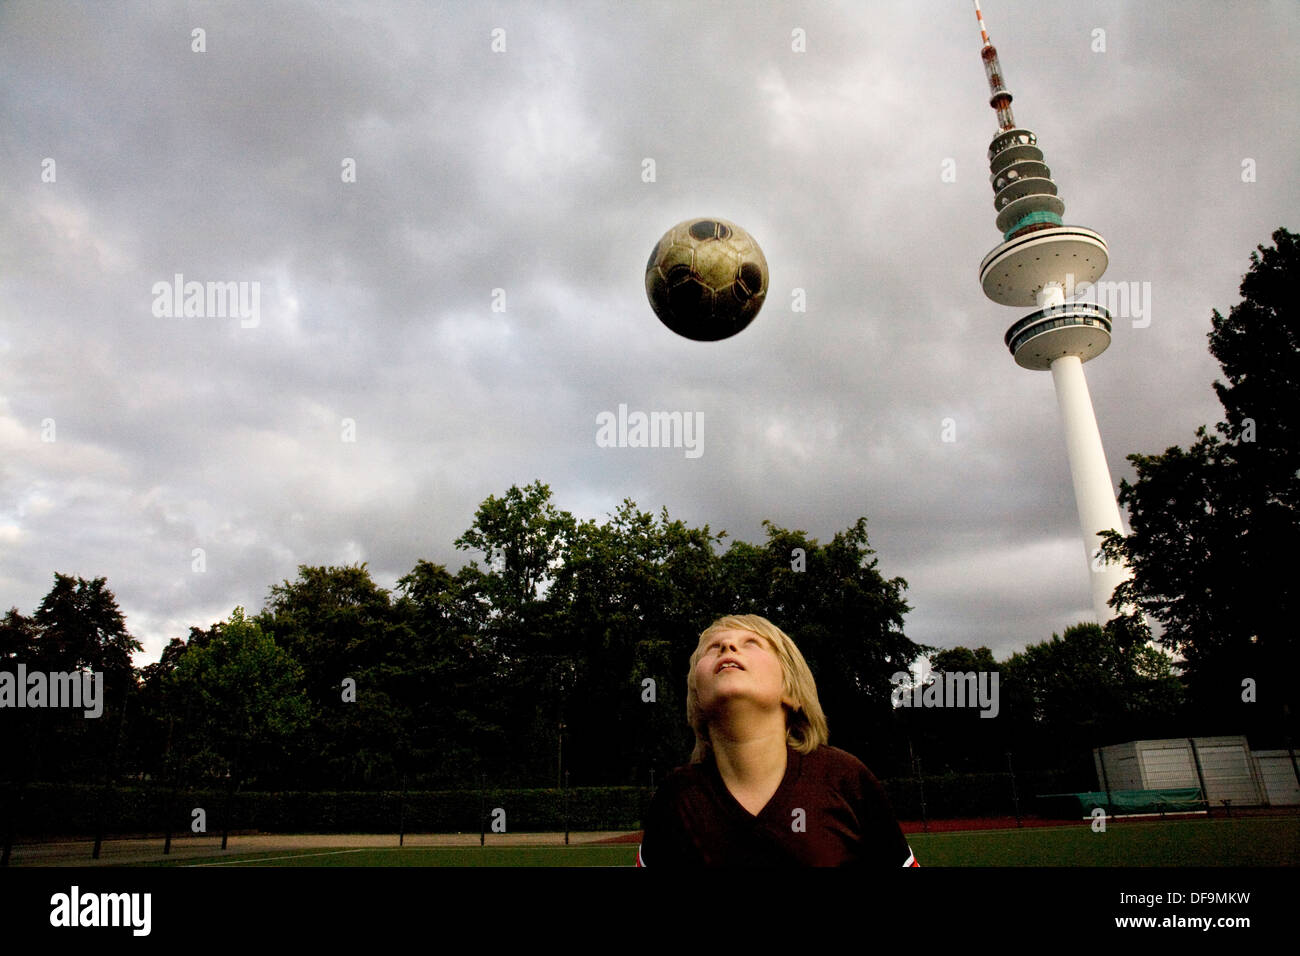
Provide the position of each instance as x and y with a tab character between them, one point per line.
1213	527
340	626
151	725
963	660
81	627
78	627
18	637
244	699
441	668
957	739
22	731
1086	688
523	538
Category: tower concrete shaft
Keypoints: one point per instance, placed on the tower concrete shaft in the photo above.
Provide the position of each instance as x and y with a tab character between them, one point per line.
1092	489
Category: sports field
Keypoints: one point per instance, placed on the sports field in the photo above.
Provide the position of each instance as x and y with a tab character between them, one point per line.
1259	841
620	855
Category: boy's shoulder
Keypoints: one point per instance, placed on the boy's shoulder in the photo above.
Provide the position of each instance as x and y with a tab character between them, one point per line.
839	771
685	777
833	762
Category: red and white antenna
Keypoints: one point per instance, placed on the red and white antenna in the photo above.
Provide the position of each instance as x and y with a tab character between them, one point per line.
984	33
1000	98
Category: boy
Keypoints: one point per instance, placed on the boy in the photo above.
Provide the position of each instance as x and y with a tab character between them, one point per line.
763	788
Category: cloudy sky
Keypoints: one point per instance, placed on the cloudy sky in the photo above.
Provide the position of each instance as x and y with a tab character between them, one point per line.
376	397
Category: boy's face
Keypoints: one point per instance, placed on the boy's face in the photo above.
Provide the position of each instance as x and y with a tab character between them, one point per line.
739	665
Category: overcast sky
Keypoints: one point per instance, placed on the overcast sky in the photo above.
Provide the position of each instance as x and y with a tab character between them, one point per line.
857	163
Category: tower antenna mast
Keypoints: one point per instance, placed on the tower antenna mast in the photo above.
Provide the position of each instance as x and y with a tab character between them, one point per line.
999	95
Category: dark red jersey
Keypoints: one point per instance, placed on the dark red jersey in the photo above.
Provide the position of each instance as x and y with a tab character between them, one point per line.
828	811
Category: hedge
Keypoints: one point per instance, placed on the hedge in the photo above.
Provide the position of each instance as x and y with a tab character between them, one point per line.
70	809
42	810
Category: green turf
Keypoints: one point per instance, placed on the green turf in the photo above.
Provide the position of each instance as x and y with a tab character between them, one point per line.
618	855
1259	841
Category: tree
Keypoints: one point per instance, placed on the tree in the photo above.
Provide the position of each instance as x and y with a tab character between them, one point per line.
1215	528
81	627
18	637
957	738
340	626
441	667
523	537
151	723
330	620
1086	688
78	627
525	540
21	730
246	700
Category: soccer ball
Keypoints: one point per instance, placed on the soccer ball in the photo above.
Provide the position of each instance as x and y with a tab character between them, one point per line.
706	279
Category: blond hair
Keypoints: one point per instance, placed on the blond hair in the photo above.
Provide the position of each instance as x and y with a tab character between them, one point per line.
805	723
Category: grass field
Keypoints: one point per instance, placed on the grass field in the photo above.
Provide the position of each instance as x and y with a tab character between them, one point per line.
619	855
1263	841
1259	841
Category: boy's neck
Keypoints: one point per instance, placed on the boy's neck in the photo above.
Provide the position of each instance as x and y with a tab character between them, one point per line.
751	764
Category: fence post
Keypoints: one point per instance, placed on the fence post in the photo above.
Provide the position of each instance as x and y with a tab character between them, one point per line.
920	779
1015	797
225	814
1105	779
401	814
1196	758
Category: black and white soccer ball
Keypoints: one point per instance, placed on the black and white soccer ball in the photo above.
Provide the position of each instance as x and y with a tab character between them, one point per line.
706	279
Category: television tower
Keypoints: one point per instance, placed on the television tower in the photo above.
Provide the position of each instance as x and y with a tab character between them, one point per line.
1039	259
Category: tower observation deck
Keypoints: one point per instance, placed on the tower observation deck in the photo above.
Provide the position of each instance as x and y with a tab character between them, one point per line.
1039	258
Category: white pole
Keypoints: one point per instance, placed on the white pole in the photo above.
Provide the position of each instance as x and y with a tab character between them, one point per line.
1093	492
